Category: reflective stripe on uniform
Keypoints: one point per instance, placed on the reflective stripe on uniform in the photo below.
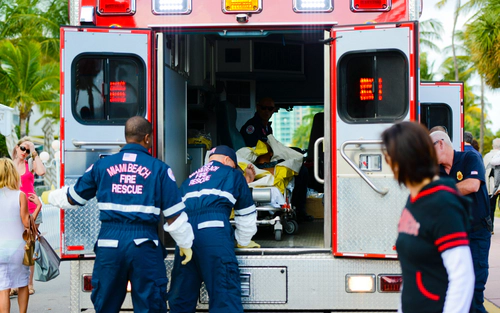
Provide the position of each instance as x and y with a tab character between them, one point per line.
110	243
75	196
210	192
245	211
173	210
129	208
209	224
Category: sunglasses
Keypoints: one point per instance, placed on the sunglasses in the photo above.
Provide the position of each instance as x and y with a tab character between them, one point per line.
270	109
24	149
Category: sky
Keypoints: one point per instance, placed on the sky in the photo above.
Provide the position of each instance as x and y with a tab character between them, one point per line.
445	16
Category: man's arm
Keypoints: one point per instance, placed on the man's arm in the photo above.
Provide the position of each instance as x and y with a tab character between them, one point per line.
468	186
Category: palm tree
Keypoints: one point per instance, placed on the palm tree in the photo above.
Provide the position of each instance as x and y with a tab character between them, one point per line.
25	80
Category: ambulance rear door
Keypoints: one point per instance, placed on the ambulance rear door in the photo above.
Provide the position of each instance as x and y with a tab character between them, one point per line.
441	104
374	84
104	80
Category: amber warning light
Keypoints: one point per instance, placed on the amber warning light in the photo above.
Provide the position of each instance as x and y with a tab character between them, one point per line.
241	6
367	89
117	91
116	7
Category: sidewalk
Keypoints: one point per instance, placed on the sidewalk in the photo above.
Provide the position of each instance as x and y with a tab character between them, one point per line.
492	292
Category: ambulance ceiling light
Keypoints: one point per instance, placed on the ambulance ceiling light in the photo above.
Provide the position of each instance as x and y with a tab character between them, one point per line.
308	6
116	7
172	6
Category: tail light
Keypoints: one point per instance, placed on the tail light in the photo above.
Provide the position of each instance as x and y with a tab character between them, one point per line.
87	283
390	283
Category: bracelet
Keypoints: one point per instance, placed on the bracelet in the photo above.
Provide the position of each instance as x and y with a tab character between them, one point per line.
33	155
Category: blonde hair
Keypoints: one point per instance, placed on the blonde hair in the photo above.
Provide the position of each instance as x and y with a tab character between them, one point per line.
9	177
20	141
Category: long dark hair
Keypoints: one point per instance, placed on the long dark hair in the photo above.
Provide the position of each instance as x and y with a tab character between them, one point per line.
410	148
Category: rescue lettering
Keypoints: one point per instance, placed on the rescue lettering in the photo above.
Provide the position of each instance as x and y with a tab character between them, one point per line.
202	174
132	168
127	189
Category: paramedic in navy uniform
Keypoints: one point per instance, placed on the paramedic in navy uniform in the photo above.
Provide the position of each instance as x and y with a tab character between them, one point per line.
258	128
432	243
132	189
467	170
209	194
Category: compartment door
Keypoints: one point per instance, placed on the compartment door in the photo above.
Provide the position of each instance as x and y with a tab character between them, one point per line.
104	80
374	85
441	104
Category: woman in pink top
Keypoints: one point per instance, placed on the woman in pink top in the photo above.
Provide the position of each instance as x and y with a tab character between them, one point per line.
26	169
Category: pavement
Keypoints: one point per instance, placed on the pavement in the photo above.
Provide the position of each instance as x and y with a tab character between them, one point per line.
492	292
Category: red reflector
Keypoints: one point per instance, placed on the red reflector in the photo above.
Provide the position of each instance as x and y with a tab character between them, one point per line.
87	282
74	248
390	283
370	5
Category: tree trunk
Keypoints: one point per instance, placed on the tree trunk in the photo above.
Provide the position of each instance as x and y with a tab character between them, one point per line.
481	136
455	20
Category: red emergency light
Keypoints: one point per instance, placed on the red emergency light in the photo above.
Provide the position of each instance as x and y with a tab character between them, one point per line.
118	91
367	89
370	5
116	7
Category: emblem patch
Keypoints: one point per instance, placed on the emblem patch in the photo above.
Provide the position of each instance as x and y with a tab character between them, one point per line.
460	176
171	174
250	129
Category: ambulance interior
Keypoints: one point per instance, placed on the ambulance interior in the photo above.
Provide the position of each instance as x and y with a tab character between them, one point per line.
227	73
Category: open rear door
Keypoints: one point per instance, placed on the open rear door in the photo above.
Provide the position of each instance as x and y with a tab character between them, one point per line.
374	85
441	104
104	80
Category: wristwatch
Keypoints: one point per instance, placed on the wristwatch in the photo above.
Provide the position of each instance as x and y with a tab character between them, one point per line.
34	154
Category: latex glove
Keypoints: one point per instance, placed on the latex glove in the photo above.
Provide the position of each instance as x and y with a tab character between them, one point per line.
45	196
186	252
252	244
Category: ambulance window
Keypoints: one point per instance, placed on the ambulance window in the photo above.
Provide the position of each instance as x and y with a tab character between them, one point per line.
437	114
108	89
373	87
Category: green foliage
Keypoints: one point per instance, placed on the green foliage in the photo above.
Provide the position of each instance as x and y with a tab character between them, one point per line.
302	133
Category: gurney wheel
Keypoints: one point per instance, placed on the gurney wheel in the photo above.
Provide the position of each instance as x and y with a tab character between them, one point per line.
291	227
277	234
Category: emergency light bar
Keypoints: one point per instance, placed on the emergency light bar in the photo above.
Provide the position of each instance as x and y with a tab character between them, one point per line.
116	7
371	5
241	6
172	6
307	6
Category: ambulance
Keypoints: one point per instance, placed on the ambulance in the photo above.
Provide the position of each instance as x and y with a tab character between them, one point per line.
197	68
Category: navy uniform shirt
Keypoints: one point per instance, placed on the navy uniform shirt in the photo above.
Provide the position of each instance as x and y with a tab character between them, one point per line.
254	130
433	222
130	186
469	165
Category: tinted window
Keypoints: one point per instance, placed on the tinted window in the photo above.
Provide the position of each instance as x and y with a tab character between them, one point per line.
108	90
373	87
437	114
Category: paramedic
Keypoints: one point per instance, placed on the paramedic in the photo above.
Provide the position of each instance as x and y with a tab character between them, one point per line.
209	194
432	241
467	169
132	189
258	128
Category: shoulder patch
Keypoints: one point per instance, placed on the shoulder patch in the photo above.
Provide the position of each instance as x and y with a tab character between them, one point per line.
250	129
171	174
